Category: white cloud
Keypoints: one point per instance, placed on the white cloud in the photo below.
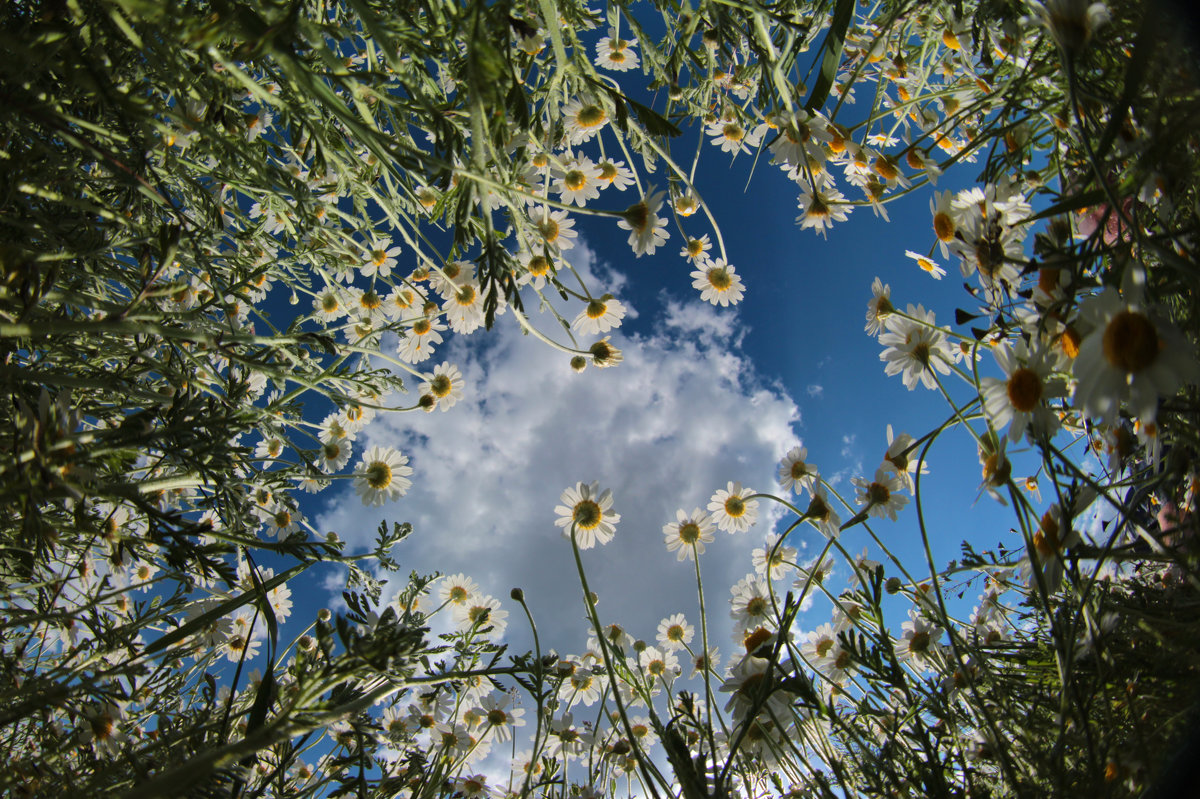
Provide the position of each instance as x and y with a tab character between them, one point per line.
815	390
685	413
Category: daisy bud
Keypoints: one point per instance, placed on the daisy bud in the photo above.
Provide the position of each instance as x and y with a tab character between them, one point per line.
892	586
517	595
579	363
324	615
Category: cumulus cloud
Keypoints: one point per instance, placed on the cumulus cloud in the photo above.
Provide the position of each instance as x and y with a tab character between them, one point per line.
684	413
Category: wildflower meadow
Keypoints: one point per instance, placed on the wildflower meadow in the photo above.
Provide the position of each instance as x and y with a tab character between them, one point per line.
241	239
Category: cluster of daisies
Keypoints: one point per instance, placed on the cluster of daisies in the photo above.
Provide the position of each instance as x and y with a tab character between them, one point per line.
1107	356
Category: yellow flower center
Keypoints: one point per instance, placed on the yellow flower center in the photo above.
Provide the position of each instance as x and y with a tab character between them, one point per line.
1070	341
689	532
732	131
548	227
440	385
675	632
798	469
371	301
596	309
608	171
329	303
421	327
575	180
885	168
590	116
465	295
379	475
587	515
1130	342
943	226
719	279
694	248
539	265
735	507
1024	389
996	469
378	257
1046	538
823	647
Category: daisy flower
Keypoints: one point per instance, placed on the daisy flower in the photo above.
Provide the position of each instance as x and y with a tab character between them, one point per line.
604	354
555	227
750	603
879	308
458	589
928	264
103	728
577	181
686	204
330	304
901	458
499	717
465	308
658	664
687	535
1131	357
400	302
283	522
820	512
731	511
382	476
795	473
537	267
821	208
420	339
772	559
647	230
1018	399
380	258
881	496
587	512
584	119
583	684
481	611
919	640
718	282
616	174
674	633
944	227
600	316
445	385
731	136
616	54
696	250
915	347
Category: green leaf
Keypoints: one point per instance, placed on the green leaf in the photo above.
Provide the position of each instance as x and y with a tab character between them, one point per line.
832	47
